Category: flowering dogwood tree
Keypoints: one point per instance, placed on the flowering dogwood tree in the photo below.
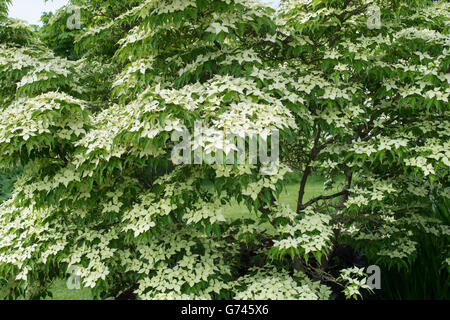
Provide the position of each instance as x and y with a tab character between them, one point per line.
100	193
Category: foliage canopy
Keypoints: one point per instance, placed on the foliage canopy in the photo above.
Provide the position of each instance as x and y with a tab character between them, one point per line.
91	124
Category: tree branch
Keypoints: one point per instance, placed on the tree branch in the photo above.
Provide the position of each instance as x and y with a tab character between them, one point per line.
314	152
348	184
312	201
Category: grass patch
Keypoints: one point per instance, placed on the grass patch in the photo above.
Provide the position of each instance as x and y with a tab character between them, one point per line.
61	292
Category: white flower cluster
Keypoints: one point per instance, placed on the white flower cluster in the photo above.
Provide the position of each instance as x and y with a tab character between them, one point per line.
273	284
353	284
